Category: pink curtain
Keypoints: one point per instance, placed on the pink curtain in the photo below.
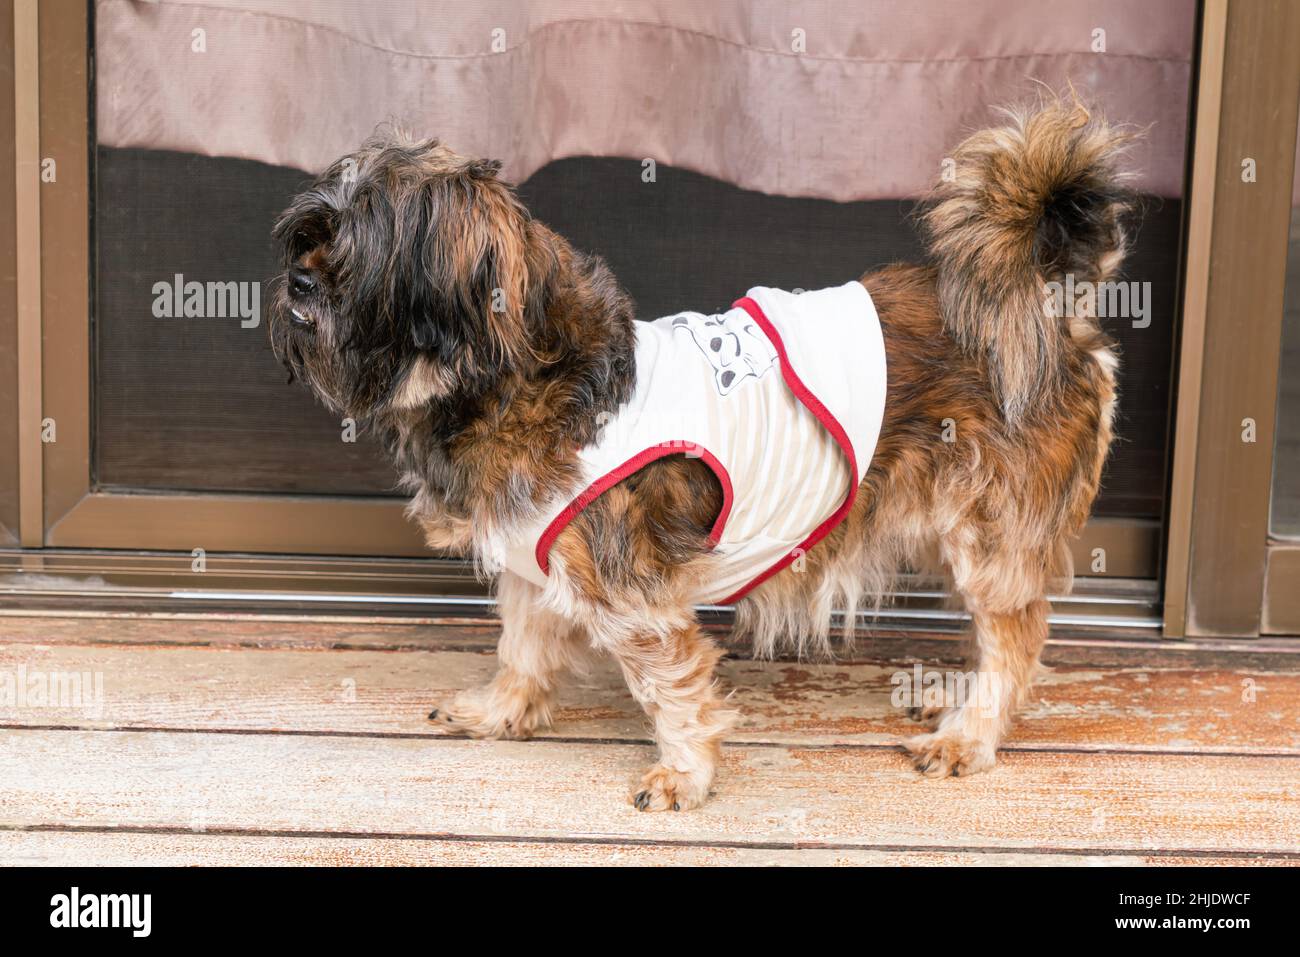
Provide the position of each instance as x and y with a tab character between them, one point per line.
839	100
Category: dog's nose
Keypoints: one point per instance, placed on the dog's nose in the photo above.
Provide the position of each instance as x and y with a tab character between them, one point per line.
301	282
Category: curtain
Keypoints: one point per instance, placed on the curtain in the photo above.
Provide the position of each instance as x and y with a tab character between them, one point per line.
811	98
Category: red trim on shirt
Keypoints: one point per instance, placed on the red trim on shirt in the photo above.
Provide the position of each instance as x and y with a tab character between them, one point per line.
632	465
832	425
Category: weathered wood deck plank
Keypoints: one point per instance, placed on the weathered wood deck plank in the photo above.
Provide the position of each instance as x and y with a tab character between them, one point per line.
769	796
379	692
262	631
125	849
233	631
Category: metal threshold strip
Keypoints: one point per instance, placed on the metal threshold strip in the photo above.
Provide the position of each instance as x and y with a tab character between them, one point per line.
443	587
887	615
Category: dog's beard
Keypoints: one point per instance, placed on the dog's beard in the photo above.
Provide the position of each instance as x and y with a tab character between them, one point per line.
286	342
309	354
353	379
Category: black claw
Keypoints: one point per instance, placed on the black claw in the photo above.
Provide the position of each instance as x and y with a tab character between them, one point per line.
642	800
676	806
433	714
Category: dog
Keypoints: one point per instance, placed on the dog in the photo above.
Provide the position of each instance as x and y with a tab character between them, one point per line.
420	298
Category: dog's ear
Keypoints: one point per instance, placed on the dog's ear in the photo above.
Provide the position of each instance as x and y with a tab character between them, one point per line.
470	268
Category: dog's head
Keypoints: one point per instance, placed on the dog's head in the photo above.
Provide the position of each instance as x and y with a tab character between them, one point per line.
405	278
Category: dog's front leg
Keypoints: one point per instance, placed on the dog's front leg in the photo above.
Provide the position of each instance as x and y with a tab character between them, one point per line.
537	648
671	677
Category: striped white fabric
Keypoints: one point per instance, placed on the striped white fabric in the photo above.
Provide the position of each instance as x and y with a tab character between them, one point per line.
782	396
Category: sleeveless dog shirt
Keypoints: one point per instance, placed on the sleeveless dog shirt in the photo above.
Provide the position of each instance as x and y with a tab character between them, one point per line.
782	397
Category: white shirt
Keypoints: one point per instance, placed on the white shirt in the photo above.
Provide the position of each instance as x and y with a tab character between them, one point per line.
782	397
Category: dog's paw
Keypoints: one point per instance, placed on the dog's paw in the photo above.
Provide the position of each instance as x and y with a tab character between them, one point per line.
945	753
930	714
666	789
481	715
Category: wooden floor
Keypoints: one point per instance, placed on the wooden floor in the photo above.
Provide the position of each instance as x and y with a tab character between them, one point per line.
268	742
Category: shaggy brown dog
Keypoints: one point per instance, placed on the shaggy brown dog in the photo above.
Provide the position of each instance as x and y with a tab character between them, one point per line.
420	298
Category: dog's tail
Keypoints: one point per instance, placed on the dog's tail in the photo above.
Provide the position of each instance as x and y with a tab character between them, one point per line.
1021	206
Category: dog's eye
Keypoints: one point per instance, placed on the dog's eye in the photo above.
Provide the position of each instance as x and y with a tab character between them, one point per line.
715	344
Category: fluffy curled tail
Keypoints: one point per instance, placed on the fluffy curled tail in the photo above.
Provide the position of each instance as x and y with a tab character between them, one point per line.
1026	204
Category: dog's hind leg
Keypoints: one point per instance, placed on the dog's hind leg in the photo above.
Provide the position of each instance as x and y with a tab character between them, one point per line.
537	648
671	677
1006	600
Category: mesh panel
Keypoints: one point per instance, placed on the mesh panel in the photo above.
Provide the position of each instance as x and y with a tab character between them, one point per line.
201	404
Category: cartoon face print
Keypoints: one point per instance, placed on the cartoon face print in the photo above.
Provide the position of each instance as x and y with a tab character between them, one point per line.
733	343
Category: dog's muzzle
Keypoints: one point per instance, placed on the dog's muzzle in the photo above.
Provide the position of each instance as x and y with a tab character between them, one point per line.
302	284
